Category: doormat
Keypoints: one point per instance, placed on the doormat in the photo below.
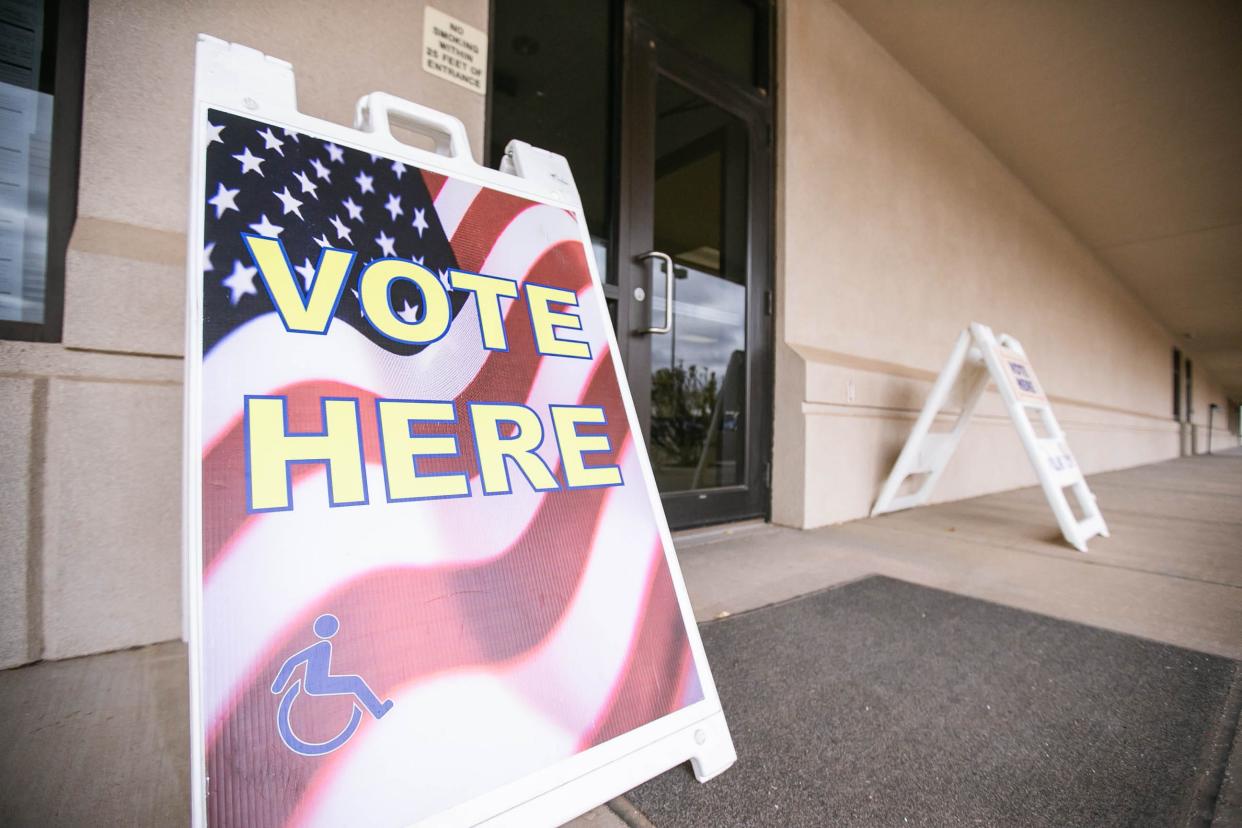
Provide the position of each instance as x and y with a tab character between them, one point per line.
885	703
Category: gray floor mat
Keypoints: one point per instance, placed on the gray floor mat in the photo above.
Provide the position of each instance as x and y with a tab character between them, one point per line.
885	703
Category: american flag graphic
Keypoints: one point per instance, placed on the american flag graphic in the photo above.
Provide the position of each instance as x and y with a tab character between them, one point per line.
510	632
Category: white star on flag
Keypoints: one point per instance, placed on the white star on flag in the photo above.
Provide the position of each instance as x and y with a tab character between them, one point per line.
270	141
265	228
321	171
213	133
420	222
322	241
355	210
398	168
289	133
307	271
308	186
408	313
249	161
394	206
335	153
240	281
364	182
207	265
342	232
224	199
291	204
385	243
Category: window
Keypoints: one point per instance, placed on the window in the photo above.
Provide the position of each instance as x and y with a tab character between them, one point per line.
732	34
1177	384
552	85
1190	392
42	44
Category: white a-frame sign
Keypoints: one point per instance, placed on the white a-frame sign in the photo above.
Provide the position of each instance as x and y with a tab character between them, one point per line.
978	357
391	623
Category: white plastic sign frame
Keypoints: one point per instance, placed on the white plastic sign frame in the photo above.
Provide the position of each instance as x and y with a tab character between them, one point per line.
241	81
977	357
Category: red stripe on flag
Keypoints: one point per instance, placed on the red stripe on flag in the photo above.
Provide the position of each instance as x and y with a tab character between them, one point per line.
488	216
434	182
652	682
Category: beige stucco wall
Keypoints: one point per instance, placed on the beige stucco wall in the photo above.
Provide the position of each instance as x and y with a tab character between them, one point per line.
90	511
896	229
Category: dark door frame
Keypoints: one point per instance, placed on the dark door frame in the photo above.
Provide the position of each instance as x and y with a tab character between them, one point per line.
645	56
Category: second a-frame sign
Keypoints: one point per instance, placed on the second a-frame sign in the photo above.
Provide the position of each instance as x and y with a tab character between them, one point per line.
980	356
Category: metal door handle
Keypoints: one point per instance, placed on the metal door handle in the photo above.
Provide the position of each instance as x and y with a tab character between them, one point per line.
668	291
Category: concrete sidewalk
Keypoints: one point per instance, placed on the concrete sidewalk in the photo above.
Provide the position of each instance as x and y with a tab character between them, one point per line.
103	739
1171	570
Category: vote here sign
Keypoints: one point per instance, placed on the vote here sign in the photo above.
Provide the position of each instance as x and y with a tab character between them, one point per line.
429	566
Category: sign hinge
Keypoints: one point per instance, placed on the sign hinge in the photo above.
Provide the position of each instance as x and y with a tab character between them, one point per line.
767	303
767	473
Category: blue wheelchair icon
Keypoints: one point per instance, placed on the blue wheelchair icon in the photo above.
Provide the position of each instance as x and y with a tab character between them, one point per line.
317	680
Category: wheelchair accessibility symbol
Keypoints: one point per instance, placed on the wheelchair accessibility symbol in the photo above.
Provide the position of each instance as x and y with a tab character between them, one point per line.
318	681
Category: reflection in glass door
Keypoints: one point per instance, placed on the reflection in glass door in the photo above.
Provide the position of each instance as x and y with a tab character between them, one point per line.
698	368
693	279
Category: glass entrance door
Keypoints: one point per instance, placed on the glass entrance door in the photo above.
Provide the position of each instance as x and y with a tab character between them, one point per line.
693	279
